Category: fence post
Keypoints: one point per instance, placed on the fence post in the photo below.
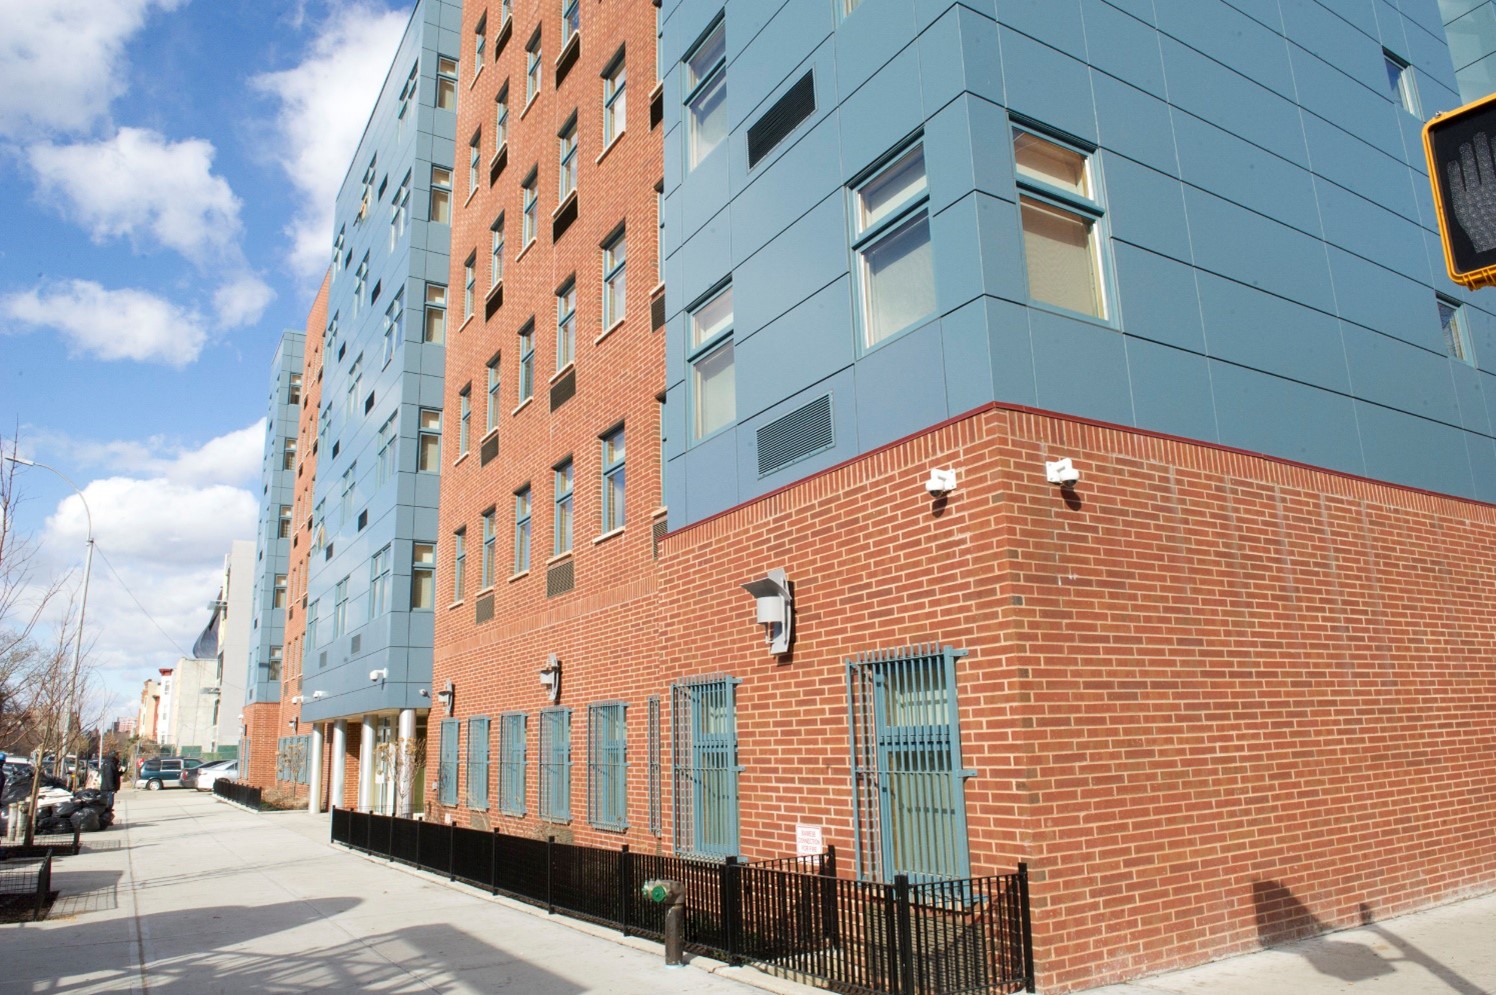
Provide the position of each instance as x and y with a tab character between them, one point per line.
1027	926
732	878
829	918
904	939
77	840
391	848
451	853
550	871
493	862
625	887
43	888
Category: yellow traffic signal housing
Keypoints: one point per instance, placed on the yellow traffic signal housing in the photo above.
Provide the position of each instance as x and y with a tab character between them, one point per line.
1459	145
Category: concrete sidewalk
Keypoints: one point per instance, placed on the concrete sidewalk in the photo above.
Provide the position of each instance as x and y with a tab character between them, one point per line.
188	894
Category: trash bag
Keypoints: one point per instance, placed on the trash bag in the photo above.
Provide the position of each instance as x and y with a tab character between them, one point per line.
66	809
86	820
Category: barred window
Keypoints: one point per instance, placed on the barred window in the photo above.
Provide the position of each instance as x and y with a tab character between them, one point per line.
555	764
446	768
477	763
705	766
607	766
512	763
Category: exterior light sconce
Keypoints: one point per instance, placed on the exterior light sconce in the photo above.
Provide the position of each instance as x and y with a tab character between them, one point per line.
941	482
296	699
775	609
447	695
380	674
1061	472
550	677
318	694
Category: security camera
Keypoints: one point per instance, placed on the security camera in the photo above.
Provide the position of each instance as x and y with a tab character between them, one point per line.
317	694
296	699
941	482
379	675
1061	471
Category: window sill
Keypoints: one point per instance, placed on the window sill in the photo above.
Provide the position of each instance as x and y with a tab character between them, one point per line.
524	250
609	147
609	331
502	150
472	192
559	557
660	512
456	604
573	40
489	434
657	290
484	591
477	75
599	540
465	322
522	405
460	460
529	102
519	576
566	202
562	372
659	88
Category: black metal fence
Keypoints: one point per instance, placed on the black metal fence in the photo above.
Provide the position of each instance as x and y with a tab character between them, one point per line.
238	792
26	890
793	916
44	845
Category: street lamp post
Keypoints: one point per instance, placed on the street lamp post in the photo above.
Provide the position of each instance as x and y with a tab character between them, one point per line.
72	702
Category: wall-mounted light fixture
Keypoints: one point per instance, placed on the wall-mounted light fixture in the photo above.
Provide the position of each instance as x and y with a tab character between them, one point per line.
318	694
941	482
447	694
1061	472
296	699
294	723
380	674
550	677
775	609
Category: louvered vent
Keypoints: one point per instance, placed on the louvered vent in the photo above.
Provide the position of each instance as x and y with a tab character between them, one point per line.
483	610
560	578
488	450
564	389
660	528
797	104
801	433
657	313
355	644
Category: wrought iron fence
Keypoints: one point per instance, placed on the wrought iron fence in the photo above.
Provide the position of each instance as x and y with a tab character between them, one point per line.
793	915
44	845
238	792
26	890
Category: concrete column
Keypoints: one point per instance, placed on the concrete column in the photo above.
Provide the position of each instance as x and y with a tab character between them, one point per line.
314	789
339	762
366	766
407	754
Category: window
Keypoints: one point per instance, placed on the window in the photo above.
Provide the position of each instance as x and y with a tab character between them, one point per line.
566	141
337	252
705	766
368	189
1403	85
607	766
562	522
384	465
713	388
571	20
555	764
379	583
349	496
615	254
311	624
355	387
429	441
532	69
441	195
422	576
895	270
613	480
293	390
660	232
512	763
469	281
1060	210
360	284
706	95
283	529
522	530
436	313
446	83
340	608
273	666
399	210
459	562
1456	330
615	104
530	199
496	253
908	782
475	155
464	419
486	562
477	763
492	420
566	324
407	94
501	118
394	327
527	361
845	7
278	599
446	766
480	44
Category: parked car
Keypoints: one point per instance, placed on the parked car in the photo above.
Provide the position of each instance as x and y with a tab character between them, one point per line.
164	772
189	777
208	773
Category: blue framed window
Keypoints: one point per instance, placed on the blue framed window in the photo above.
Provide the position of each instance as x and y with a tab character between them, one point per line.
613	453
566	324
496	253
607	766
429	441
522	530
566	143
1402	84
895	264
526	379
360	284
491	419
533	67
436	313
441	196
459	562
469	285
615	100
446	83
480	44
477	763
379	583
530	205
501	117
705	80
571	19
512	763
907	779
652	761
311	624
422	576
340	608
1456	330
704	743
394	327
399	210
713	380
464	420
1060	207
555	764
407	95
615	257
562	520
490	539
446	767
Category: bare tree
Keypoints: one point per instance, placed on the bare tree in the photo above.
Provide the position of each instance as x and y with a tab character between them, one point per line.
23	599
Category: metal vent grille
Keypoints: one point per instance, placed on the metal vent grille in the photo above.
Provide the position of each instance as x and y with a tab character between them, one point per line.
801	433
322	660
494	301
483	610
658	533
363	519
560	578
657	313
355	644
797	104
489	450
564	389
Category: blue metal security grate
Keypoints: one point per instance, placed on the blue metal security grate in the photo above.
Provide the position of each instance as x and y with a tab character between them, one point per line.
704	742
512	763
656	822
555	764
477	765
907	781
607	766
446	768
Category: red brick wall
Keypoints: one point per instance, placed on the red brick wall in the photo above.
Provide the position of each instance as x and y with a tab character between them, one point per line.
261	720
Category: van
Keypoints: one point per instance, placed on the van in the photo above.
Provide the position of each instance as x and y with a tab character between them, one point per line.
164	772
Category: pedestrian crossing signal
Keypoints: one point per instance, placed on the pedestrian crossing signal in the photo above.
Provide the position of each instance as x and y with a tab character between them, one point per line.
1461	149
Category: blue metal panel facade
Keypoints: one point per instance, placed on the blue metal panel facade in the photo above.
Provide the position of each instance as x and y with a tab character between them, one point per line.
272	551
1267	252
382	256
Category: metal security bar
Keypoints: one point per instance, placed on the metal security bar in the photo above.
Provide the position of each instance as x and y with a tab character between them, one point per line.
704	751
512	763
446	767
607	766
477	763
555	764
907	779
656	821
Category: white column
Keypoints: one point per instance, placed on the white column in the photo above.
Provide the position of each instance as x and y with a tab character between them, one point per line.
366	766
339	762
407	774
314	781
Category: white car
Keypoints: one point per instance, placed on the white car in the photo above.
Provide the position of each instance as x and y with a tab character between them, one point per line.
207	774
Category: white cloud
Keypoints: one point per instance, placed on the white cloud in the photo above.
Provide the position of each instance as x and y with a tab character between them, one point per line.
325	104
138	185
110	324
158	522
232	458
62	61
242	300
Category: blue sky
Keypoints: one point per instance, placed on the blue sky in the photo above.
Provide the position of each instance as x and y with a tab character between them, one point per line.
169	169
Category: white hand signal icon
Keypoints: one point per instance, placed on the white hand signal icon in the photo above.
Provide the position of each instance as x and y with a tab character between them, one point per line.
1472	189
